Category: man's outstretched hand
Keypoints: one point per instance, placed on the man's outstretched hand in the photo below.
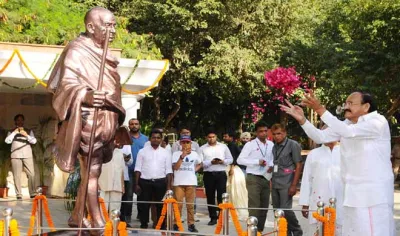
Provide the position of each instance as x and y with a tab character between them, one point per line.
295	111
312	102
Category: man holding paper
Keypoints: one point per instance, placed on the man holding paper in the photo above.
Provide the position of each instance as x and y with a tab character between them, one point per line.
258	159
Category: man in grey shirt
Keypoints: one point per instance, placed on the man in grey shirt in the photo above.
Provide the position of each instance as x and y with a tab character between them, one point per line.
286	175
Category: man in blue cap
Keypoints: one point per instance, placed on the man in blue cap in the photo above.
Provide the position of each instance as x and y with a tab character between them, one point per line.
185	165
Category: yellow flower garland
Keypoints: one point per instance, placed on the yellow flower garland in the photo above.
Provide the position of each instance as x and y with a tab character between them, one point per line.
41	82
1	227
14	231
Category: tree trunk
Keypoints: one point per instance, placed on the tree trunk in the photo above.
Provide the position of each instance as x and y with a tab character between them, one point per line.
174	111
395	107
157	112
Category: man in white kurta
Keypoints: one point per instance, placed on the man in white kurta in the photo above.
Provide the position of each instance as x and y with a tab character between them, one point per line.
322	180
365	161
111	180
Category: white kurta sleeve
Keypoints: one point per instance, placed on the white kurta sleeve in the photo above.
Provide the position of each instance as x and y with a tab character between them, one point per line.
31	138
320	136
306	186
370	128
10	137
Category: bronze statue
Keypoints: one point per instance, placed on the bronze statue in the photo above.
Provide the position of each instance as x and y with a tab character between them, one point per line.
74	83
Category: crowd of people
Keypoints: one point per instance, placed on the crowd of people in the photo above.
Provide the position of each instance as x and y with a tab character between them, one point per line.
352	165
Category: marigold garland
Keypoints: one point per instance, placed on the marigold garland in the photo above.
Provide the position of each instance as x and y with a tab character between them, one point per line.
46	213
14	231
176	214
282	226
104	209
235	219
219	225
108	228
328	220
122	229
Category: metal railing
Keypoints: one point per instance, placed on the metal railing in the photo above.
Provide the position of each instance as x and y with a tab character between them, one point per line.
115	218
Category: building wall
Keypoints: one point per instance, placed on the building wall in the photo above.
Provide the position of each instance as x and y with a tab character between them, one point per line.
32	106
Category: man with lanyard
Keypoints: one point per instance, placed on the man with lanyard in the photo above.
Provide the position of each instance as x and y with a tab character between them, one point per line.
138	141
258	159
286	175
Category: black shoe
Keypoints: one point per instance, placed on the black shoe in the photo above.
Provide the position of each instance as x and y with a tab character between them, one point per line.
19	198
144	226
212	222
176	228
192	229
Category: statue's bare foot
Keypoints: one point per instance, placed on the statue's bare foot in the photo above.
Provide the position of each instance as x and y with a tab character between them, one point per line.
74	223
97	232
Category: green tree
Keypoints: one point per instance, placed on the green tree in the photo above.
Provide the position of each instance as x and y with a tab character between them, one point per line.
356	46
59	21
218	50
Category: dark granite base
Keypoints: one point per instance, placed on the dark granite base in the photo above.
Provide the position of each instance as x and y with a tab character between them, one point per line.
64	232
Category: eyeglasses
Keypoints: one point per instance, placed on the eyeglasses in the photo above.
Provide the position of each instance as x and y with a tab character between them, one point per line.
350	104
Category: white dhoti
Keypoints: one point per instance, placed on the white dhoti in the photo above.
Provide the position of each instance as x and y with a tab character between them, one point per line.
312	230
369	221
236	187
112	200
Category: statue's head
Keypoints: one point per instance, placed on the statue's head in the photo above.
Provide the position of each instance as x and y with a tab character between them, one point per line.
97	20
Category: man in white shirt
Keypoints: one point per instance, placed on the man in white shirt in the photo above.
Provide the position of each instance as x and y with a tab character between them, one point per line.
21	140
216	158
153	176
177	146
185	164
257	156
365	161
322	180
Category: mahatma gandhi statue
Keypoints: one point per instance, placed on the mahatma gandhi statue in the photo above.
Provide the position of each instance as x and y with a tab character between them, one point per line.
76	96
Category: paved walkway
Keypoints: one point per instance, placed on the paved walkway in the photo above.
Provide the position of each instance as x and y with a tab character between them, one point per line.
60	216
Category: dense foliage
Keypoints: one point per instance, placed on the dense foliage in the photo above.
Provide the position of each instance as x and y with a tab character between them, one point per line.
220	49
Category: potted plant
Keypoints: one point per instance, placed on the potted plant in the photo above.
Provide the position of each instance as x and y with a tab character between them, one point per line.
200	191
5	164
44	162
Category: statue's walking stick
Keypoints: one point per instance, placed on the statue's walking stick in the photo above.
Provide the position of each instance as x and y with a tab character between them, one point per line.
93	131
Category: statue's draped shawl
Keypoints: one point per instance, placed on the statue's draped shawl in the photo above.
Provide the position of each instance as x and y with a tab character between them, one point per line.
75	73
